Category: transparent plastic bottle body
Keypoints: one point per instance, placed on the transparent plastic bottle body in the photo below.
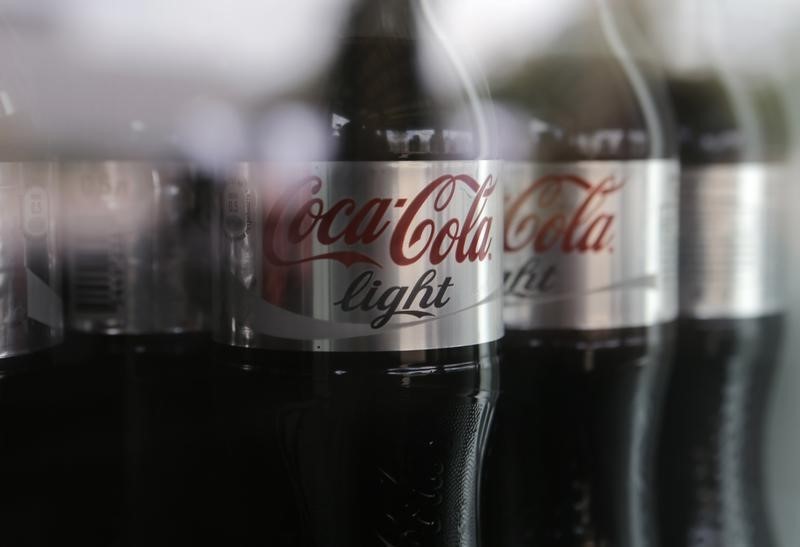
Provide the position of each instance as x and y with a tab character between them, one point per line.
379	443
729	334
570	458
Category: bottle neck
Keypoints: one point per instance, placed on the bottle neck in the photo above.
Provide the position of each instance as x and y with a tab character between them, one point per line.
393	19
595	32
714	101
607	33
386	100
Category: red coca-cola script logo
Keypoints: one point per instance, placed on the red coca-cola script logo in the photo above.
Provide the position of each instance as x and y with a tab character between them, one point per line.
559	211
426	226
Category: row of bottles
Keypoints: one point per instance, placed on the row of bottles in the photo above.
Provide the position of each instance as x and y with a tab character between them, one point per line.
399	356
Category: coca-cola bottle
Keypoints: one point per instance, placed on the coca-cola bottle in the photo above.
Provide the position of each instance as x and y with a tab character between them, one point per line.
137	315
590	241
732	143
358	297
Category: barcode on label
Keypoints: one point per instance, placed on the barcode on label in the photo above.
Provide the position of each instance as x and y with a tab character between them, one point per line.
98	284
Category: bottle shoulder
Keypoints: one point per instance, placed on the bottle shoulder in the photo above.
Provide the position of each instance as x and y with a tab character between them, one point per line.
572	109
727	120
377	100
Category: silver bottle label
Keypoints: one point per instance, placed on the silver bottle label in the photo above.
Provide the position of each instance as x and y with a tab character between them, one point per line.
31	316
590	245
730	245
360	256
137	248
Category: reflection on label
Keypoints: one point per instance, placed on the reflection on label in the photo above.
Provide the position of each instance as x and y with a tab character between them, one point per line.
580	238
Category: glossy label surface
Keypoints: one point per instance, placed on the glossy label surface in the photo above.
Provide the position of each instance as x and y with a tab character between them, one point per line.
360	256
731	250
590	245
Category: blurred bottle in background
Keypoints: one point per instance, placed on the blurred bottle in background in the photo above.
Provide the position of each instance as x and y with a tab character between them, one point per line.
590	294
32	320
31	314
776	63
733	147
138	292
35	443
31	326
358	296
112	445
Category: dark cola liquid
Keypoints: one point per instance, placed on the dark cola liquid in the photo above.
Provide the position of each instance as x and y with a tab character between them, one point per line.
107	440
60	451
111	440
348	449
571	453
712	445
174	480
